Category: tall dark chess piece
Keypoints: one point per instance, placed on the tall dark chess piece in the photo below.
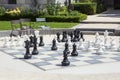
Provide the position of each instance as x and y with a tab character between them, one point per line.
65	61
41	41
81	36
74	52
71	36
58	37
27	46
35	51
76	35
64	39
31	41
54	47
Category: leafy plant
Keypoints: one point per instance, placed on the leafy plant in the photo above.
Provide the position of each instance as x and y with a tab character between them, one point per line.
2	11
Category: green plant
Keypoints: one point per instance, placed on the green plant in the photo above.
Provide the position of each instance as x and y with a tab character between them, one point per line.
2	11
101	7
79	18
86	8
53	9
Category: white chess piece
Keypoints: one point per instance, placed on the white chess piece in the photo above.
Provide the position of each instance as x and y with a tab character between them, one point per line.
100	49
81	45
97	39
106	33
90	47
5	44
113	44
106	45
36	33
119	46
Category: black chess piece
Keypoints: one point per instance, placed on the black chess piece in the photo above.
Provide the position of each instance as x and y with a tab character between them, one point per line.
64	39
65	61
76	35
58	37
35	51
81	36
31	41
27	46
74	52
71	36
41	41
54	47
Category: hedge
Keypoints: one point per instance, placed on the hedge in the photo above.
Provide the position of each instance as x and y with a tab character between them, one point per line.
86	8
65	18
101	8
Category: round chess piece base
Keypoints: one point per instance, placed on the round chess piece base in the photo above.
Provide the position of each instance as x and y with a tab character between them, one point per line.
58	40
54	48
74	53
41	44
35	52
65	63
31	45
28	56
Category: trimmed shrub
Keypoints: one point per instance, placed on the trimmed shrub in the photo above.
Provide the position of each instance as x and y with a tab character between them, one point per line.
2	11
66	18
116	6
101	8
86	8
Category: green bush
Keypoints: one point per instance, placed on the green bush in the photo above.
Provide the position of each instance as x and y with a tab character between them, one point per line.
101	8
86	8
66	18
2	11
117	7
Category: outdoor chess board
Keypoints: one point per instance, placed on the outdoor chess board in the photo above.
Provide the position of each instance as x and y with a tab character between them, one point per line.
49	60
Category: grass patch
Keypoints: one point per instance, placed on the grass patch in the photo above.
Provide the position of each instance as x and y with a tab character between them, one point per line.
5	25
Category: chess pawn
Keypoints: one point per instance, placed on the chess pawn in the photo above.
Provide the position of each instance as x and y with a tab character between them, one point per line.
54	47
27	54
74	52
35	51
58	37
81	45
41	41
90	48
65	61
100	49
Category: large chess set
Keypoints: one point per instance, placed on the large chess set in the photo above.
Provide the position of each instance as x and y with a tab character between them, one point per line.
65	50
